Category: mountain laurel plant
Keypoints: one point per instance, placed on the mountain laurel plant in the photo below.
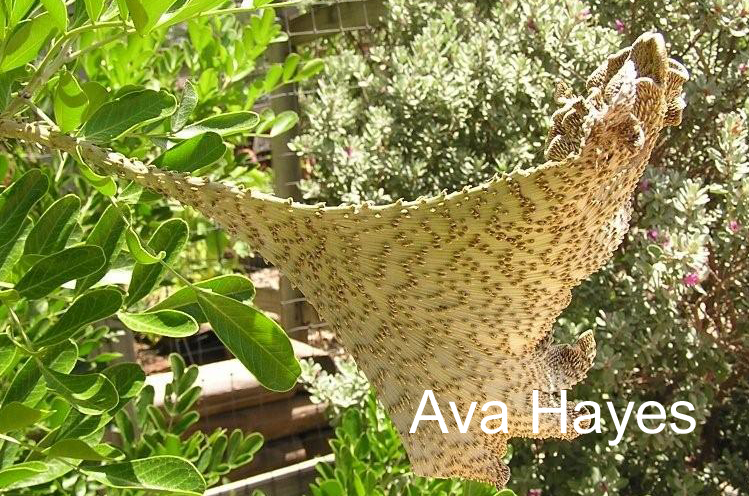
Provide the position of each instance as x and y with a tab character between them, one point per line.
447	93
173	83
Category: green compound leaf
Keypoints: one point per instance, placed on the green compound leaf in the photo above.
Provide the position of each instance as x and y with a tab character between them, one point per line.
28	386
70	103
51	272
94	9
169	323
51	232
257	341
96	94
90	307
90	394
74	448
223	125
170	237
128	379
283	122
16	202
126	113
20	471
15	415
163	474
8	355
58	12
193	154
234	286
138	251
104	184
146	13
107	234
186	106
187	10
25	43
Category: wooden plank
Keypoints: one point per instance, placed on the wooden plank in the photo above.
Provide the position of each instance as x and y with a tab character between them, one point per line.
275	420
281	453
229	386
333	19
288	481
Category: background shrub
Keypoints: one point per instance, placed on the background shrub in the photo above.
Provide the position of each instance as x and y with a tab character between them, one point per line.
448	93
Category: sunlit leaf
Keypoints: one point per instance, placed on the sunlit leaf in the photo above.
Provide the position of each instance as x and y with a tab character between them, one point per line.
170	237
91	394
192	154
190	8
73	448
223	125
171	323
8	355
15	415
26	41
186	106
124	114
16	202
90	307
257	341
58	12
55	270
107	234
94	9
231	285
20	471
28	386
70	102
51	232
167	474
283	122
138	251
146	13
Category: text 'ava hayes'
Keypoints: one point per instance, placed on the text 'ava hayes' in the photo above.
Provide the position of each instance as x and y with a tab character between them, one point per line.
495	416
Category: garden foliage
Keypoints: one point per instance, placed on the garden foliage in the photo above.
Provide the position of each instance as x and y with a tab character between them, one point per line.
445	94
82	256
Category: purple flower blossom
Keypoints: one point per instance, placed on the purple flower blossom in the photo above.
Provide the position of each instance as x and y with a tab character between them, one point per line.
653	234
644	185
691	279
743	68
620	26
584	14
534	492
734	225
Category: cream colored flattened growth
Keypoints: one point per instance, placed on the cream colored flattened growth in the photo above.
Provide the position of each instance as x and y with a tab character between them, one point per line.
458	293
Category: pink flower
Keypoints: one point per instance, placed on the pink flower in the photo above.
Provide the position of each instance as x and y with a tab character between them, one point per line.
620	26
349	151
644	185
743	68
653	234
691	279
584	14
534	492
734	225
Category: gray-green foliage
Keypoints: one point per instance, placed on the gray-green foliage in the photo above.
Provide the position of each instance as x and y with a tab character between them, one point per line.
371	460
445	95
154	431
670	310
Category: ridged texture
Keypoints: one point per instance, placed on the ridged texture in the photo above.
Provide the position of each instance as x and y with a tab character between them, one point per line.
458	293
